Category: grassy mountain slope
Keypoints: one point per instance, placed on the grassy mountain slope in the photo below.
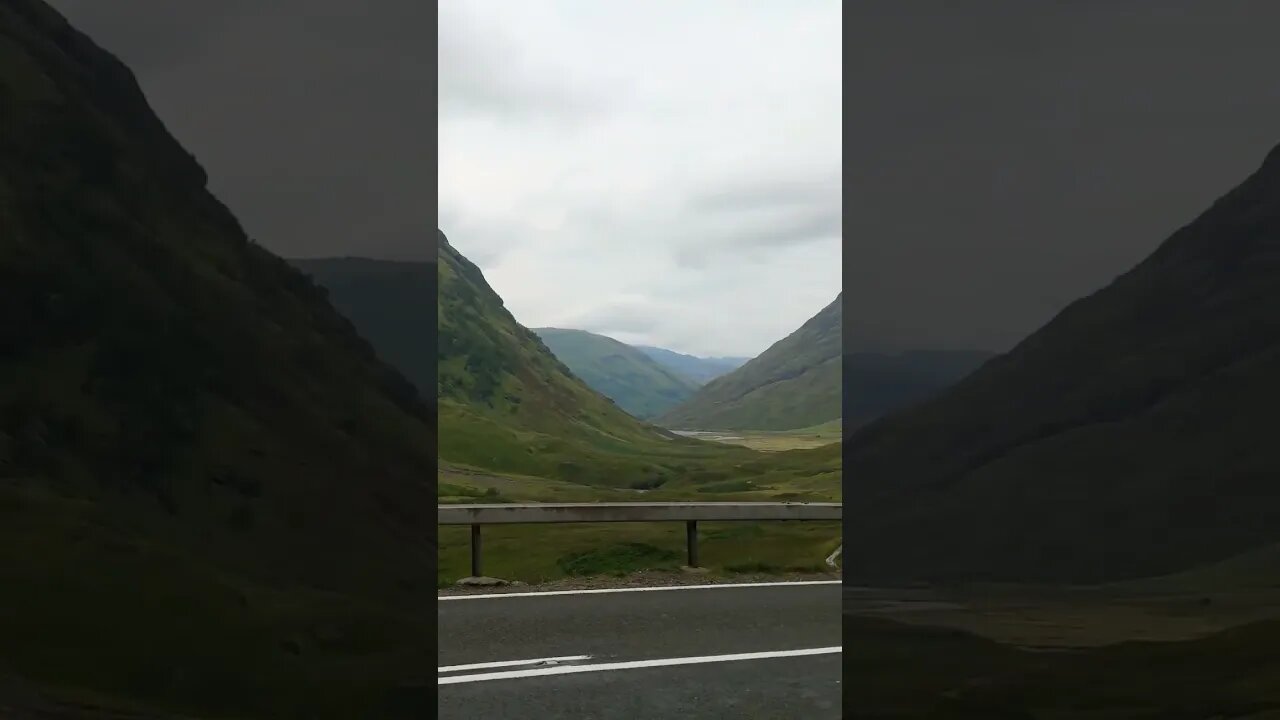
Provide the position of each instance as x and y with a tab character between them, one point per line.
507	404
1131	436
214	499
385	299
698	369
793	384
632	379
907	671
877	383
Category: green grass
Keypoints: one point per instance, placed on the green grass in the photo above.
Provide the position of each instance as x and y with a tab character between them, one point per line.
809	475
619	559
778	440
540	553
95	611
793	384
902	671
211	489
1198	641
831	429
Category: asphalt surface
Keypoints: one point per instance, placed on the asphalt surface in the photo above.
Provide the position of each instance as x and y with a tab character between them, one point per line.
654	627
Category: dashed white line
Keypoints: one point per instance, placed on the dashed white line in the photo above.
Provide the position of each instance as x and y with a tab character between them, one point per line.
597	591
511	663
633	665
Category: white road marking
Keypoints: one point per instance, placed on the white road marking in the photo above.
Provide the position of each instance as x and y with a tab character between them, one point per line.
831	559
511	663
633	665
548	593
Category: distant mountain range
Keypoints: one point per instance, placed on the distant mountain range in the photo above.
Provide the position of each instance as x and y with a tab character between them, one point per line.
508	404
646	381
700	370
384	299
634	380
794	384
1133	435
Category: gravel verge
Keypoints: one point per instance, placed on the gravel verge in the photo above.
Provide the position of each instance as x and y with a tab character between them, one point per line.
650	578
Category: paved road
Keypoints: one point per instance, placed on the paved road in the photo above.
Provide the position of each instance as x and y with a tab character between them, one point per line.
631	640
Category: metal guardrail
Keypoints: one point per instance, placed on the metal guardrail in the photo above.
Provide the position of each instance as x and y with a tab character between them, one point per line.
688	512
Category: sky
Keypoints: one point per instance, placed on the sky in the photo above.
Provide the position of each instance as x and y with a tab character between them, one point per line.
312	117
1008	157
664	173
670	172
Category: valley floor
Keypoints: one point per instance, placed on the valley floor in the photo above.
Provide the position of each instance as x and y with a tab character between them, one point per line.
1195	646
773	441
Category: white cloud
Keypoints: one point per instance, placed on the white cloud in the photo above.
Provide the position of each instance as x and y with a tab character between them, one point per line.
662	172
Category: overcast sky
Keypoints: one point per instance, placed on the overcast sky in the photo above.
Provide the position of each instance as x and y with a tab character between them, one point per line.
312	117
1008	157
669	172
662	172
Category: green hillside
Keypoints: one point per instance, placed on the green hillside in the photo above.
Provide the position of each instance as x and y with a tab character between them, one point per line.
214	499
793	384
700	370
876	384
629	377
385	300
932	673
508	405
1131	436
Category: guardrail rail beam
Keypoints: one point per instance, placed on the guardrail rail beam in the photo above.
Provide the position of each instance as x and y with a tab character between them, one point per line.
689	512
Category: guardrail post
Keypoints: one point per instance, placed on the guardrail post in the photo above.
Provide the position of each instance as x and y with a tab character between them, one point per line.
691	537
475	550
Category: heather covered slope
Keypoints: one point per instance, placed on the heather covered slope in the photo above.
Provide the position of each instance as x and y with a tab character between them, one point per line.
1133	435
386	300
508	405
635	381
214	498
491	365
793	384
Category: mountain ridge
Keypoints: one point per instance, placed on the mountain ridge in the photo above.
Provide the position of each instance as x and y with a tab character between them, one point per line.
700	370
640	385
185	418
793	384
1138	410
381	298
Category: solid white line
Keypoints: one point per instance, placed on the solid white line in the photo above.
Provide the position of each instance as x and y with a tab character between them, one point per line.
633	664
548	593
510	663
